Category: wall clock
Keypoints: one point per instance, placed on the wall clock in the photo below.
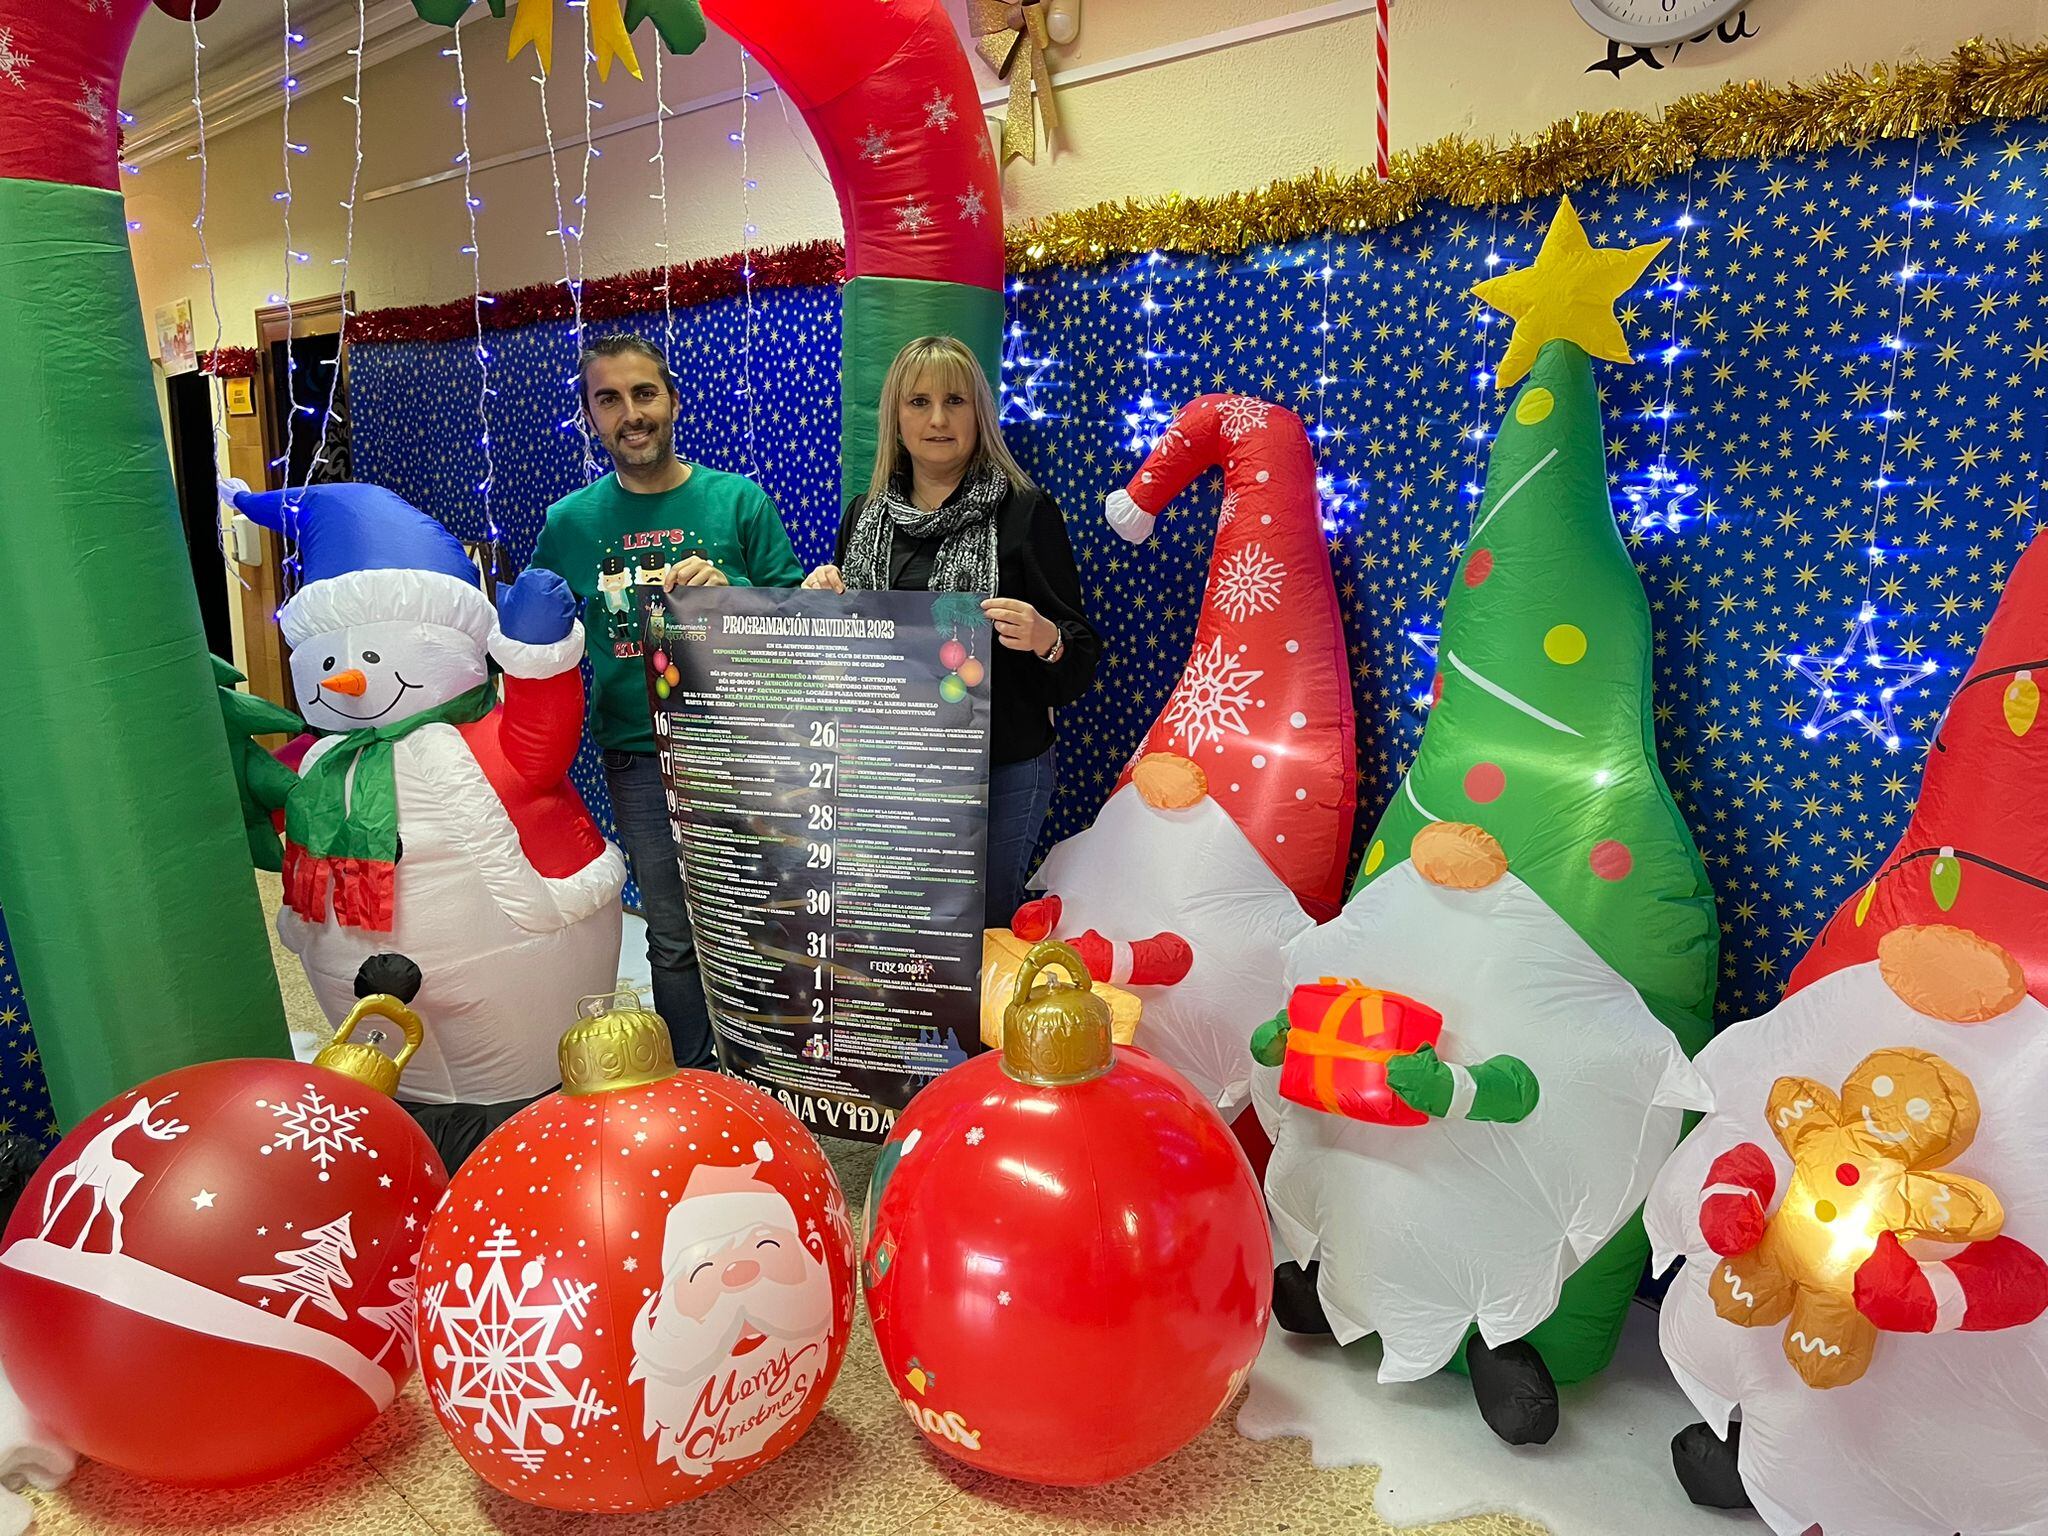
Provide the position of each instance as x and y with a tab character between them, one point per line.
1648	23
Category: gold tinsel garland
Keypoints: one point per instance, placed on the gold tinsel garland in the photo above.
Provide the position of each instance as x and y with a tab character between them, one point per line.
1742	121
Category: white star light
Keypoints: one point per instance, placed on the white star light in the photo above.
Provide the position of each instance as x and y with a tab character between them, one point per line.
1858	684
938	112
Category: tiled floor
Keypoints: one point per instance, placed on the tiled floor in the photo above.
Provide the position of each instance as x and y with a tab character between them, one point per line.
862	1470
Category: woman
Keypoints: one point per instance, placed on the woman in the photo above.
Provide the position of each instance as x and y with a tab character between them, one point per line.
949	510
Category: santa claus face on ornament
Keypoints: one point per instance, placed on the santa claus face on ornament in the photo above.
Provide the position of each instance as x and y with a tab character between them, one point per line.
377	674
730	1345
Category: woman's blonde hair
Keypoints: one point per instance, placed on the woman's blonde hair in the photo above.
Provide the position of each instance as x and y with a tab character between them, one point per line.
958	368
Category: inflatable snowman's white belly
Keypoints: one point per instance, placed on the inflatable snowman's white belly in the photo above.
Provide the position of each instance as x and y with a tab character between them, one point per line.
504	952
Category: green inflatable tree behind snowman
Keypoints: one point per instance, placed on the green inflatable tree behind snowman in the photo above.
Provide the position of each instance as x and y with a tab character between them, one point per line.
1534	884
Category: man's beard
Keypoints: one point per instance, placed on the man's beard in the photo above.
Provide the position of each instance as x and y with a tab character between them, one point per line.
676	1357
659	445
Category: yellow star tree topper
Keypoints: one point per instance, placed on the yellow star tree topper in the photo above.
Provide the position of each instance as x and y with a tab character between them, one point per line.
1568	294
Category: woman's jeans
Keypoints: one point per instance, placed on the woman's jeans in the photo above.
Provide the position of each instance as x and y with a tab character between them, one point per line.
1018	796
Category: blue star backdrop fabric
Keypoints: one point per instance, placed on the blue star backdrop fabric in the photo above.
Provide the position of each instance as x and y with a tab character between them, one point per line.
1828	450
24	1096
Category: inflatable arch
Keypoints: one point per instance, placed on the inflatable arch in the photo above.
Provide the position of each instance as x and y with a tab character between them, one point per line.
124	866
887	92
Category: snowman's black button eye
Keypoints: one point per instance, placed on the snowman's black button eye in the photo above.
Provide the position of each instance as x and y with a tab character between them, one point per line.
327	665
371	657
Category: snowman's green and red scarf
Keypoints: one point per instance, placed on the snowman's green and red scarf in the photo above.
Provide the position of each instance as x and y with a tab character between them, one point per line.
341	834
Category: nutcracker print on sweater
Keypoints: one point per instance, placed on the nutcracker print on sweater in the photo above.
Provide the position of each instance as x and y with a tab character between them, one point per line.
1863	1215
1533	885
1228	831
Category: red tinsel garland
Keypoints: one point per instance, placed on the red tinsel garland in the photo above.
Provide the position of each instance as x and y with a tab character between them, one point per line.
229	362
606	298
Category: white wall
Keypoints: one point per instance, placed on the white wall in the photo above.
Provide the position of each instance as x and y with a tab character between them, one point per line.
1226	119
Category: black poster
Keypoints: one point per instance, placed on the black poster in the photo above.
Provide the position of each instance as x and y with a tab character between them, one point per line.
826	760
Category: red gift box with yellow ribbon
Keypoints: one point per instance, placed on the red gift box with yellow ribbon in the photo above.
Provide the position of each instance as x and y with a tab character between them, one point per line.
1340	1037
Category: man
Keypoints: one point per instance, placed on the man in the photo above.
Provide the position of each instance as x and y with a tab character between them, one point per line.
707	529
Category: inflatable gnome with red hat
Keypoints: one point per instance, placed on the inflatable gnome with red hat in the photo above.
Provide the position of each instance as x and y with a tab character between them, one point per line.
1228	831
430	820
1484	1060
1864	1215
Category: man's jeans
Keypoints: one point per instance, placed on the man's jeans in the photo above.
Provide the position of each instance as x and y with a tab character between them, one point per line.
641	812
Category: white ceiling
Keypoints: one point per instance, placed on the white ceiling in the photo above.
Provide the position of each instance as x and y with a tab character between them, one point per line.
161	60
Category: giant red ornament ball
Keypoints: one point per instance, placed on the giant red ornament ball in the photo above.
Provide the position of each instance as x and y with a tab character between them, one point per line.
210	1280
639	1288
1065	1253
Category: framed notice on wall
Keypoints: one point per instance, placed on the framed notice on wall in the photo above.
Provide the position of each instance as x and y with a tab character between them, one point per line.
174	346
826	758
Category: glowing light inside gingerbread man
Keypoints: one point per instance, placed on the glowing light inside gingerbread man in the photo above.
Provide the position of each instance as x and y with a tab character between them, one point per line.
1830	1262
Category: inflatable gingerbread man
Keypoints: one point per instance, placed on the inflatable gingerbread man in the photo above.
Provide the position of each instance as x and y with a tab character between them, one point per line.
1863	1214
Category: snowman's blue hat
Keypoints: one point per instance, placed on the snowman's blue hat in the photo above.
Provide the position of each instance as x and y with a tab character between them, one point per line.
368	556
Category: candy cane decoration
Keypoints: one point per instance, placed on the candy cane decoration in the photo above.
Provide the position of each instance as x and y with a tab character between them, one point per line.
1386	159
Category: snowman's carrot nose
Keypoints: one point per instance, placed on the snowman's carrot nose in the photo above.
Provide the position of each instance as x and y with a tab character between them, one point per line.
352	682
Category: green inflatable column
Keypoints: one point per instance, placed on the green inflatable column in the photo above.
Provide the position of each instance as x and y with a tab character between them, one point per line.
1543	732
124	867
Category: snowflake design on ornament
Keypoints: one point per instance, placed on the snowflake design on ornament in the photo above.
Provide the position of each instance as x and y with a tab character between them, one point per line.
92	101
938	112
874	144
503	1357
971	208
325	1130
1227	512
12	60
913	218
1212	697
1249	583
1240	415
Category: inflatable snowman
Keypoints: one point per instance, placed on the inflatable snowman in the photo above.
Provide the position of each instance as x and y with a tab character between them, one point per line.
1228	831
430	819
1483	1061
1863	1216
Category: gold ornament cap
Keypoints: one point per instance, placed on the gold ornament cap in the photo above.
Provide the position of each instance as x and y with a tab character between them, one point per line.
1057	1033
361	1060
621	1043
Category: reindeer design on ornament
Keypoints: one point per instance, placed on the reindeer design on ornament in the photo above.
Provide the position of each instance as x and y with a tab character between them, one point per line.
107	1176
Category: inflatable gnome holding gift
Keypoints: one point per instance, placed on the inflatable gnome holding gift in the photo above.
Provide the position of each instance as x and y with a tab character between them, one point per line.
1485	1057
1228	831
1865	1214
430	819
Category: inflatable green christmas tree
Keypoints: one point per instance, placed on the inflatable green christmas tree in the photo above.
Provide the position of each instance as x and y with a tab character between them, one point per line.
1542	734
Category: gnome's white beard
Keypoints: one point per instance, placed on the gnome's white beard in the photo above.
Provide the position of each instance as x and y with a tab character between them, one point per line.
1139	871
1945	1432
1423	1230
703	1406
